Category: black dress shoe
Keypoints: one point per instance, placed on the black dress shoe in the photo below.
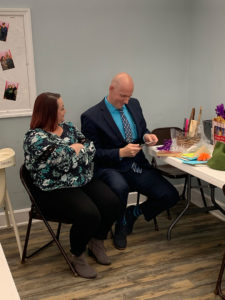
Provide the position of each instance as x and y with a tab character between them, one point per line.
120	237
130	219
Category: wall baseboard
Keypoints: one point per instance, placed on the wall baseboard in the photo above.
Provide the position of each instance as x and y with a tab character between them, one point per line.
22	215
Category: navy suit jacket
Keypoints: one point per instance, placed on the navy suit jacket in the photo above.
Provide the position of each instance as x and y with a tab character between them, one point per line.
98	125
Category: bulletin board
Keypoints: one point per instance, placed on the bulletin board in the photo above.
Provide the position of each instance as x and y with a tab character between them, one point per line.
17	75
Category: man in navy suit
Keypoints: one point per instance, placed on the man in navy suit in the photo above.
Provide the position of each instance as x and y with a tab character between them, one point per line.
119	159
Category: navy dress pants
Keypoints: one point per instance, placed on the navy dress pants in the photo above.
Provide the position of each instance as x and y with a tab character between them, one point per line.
160	193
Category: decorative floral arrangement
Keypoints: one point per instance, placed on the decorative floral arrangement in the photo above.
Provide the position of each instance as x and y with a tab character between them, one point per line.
220	112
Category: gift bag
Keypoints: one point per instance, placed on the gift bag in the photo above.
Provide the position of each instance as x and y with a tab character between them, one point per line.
217	161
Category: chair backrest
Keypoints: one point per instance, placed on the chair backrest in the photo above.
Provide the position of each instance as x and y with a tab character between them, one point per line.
27	182
31	188
163	133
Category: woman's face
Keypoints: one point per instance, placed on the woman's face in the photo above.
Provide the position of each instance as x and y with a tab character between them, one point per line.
61	110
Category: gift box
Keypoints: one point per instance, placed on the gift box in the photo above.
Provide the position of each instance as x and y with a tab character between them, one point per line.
218	131
218	125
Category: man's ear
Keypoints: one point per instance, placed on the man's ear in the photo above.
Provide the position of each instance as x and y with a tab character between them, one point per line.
111	88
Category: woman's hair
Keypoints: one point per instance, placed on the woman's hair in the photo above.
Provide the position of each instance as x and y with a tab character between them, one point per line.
45	111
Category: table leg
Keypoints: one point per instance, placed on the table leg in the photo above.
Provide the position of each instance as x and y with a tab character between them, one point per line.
9	209
187	204
202	192
7	216
218	289
215	204
2	195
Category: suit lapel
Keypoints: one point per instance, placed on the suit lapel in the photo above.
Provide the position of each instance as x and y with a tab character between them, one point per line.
109	120
134	115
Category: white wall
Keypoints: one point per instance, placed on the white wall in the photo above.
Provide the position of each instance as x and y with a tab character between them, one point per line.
174	49
207	53
207	58
80	44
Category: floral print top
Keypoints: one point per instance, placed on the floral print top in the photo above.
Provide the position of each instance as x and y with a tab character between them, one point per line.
52	163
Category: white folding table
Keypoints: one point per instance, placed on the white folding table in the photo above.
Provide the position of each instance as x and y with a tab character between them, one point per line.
8	289
215	178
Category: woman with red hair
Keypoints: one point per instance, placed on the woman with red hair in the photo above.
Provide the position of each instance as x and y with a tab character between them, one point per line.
59	159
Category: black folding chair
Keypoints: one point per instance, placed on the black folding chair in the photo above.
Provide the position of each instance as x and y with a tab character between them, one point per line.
36	213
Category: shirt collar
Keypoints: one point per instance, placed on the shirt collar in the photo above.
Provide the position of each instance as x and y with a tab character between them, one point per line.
111	107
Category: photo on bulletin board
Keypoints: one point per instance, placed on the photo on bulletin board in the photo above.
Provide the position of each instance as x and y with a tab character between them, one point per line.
17	75
6	60
10	92
3	31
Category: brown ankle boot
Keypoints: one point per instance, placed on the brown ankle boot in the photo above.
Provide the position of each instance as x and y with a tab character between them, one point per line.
96	249
82	267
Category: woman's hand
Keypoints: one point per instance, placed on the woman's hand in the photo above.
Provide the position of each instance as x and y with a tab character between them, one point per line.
77	147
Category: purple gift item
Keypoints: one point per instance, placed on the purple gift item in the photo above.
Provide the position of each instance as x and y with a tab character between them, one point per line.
166	145
220	111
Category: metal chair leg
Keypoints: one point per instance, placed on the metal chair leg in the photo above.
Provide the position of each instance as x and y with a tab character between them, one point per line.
156	224
138	198
169	214
60	247
58	230
24	255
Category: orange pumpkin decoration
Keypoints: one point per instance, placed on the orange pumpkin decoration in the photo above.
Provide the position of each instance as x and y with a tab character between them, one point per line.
204	156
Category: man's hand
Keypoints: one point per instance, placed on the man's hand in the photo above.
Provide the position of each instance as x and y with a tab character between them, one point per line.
150	139
77	147
129	150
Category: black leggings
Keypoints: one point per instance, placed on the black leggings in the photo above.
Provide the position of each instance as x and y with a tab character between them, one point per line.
91	209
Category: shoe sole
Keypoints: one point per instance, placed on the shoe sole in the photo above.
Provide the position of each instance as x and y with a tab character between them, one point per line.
119	248
86	277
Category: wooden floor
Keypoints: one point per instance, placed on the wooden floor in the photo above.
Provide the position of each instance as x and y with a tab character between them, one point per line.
151	267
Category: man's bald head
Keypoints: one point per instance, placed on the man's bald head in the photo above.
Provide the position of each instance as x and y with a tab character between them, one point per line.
122	79
121	89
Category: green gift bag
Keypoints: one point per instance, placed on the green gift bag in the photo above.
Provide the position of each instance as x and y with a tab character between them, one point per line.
217	161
